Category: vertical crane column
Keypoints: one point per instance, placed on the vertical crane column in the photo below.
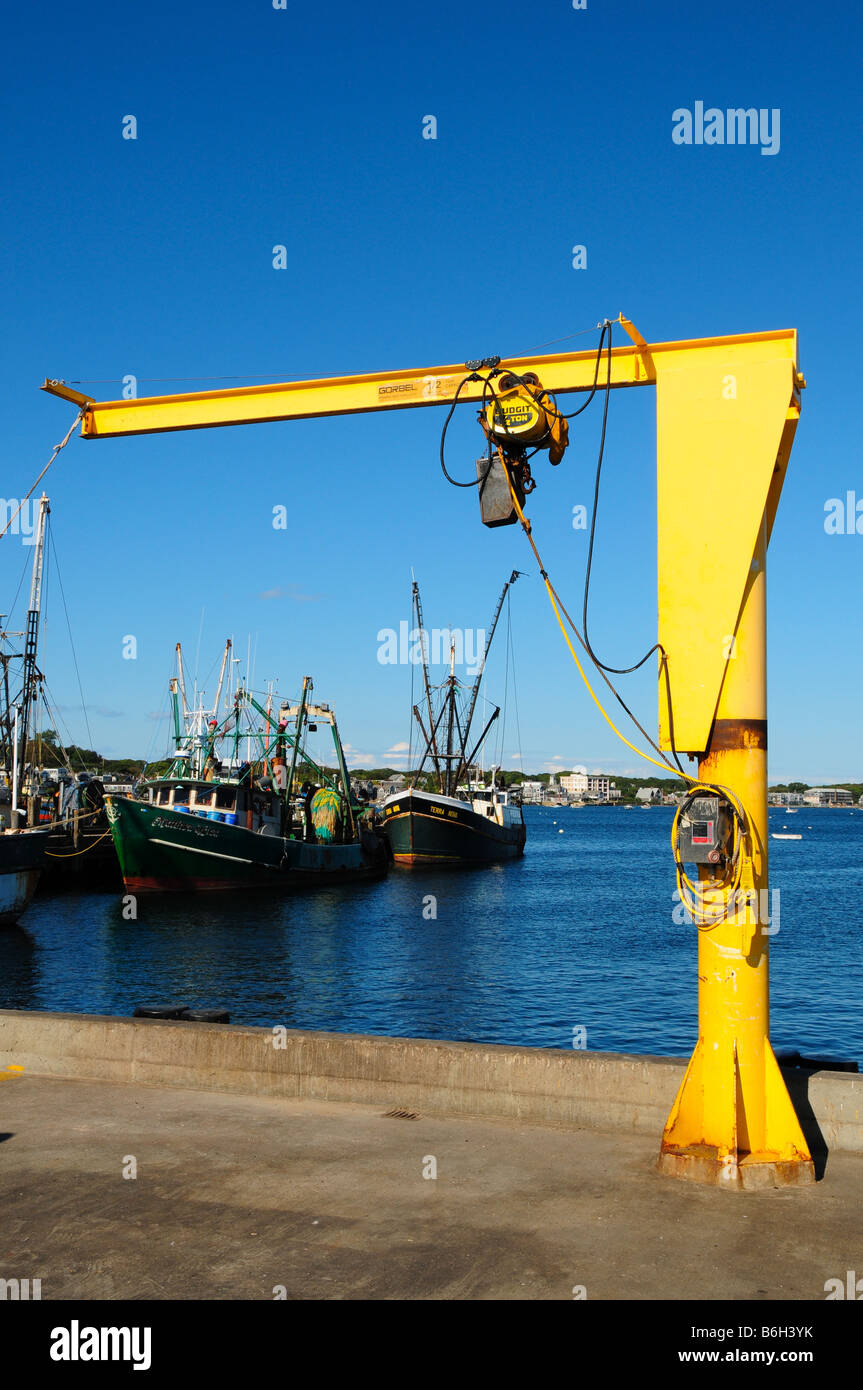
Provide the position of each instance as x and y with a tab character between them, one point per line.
721	466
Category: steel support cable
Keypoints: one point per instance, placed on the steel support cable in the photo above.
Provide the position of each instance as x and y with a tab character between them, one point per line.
72	643
63	442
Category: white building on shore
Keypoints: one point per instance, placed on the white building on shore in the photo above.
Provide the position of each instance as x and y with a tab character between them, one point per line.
589	786
828	796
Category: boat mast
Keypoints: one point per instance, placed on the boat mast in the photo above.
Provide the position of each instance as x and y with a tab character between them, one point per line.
451	720
175	705
345	775
31	674
475	691
431	743
6	718
225	656
434	729
14	821
298	732
182	682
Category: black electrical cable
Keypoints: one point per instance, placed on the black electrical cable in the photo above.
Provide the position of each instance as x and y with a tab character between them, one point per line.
543	398
472	376
657	647
549	404
551	409
615	670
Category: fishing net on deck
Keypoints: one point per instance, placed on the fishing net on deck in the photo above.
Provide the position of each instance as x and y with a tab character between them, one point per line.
326	815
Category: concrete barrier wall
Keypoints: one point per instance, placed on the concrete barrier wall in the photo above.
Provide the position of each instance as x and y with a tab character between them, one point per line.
543	1086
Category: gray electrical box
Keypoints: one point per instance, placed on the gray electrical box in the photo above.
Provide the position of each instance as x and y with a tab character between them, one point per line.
704	831
495	498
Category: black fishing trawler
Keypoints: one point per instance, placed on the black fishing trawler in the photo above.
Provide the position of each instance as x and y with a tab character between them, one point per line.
462	822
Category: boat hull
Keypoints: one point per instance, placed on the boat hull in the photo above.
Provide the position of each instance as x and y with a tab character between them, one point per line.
22	857
423	829
163	851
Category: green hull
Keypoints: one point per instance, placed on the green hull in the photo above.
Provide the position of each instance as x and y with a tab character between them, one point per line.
163	851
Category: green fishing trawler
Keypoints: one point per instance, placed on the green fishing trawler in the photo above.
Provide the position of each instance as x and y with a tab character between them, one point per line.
214	823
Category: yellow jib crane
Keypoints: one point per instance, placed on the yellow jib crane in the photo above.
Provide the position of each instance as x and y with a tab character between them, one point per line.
727	409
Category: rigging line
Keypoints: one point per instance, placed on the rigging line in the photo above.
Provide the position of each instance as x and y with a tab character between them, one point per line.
64	729
71	641
280	376
198	648
411	719
25	568
163	380
515	704
502	733
63	442
166	706
51	723
552	342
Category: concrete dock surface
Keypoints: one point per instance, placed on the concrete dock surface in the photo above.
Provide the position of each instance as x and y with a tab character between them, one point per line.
249	1197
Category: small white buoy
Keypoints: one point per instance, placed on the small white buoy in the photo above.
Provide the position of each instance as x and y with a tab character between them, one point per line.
560	832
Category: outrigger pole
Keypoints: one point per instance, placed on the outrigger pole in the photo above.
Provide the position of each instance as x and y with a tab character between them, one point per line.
225	656
422	633
466	762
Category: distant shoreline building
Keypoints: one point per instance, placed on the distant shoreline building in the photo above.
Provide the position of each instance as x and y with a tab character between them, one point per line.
827	796
590	786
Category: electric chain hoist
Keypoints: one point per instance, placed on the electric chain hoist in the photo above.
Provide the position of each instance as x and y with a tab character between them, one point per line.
520	414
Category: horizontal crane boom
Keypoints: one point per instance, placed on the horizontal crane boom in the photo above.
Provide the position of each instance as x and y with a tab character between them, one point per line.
632	365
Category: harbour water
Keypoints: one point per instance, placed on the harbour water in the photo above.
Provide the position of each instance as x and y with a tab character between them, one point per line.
579	934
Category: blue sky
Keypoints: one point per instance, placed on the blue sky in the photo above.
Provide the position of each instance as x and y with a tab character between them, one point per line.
259	127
